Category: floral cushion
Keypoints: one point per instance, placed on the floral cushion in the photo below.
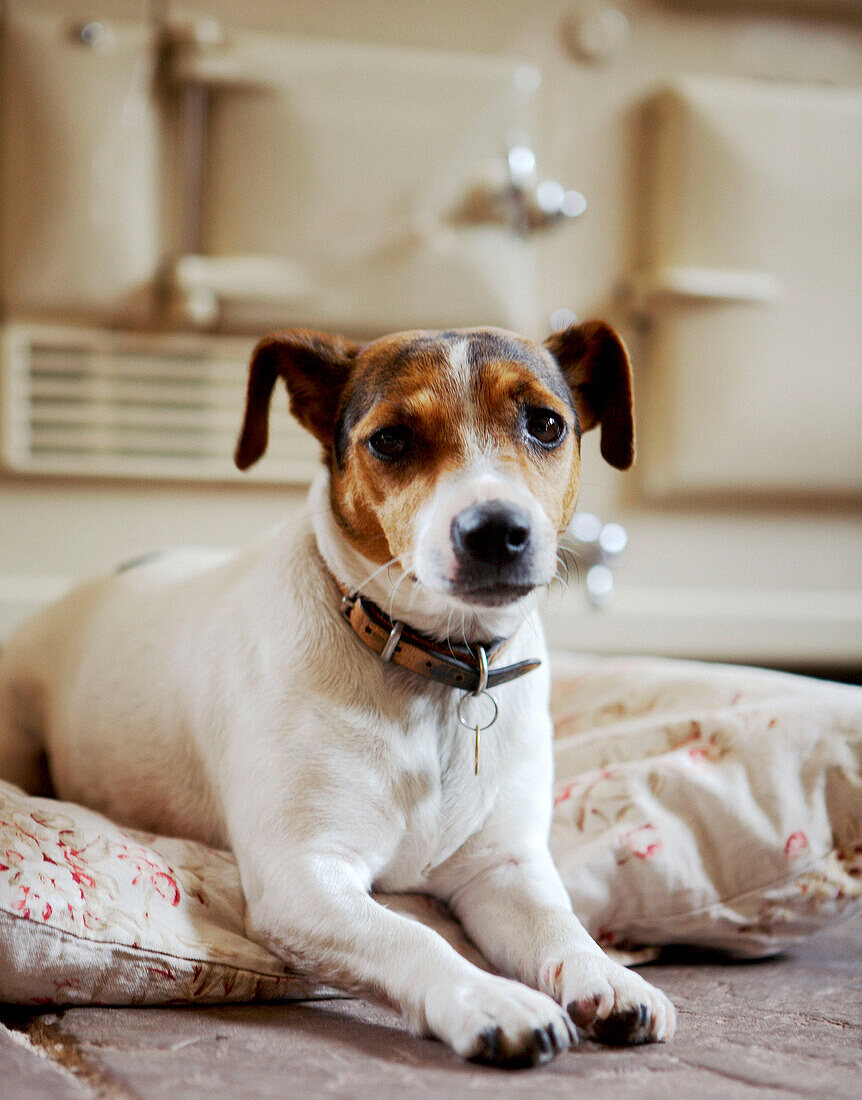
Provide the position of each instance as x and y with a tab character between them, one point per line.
694	804
706	804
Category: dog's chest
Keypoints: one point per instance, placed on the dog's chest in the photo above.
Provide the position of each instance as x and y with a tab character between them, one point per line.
442	799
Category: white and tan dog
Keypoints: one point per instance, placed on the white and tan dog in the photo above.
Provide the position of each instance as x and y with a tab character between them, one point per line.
235	699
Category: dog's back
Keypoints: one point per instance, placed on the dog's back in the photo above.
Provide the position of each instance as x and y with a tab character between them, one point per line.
47	671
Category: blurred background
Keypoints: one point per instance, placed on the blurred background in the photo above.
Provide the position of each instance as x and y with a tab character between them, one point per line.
177	179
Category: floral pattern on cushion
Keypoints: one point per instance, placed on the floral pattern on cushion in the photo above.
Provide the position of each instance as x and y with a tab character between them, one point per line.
93	912
707	805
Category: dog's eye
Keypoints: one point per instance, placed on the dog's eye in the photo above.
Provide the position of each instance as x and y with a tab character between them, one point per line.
545	427
389	442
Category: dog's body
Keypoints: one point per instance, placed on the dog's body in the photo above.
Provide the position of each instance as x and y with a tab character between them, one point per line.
224	697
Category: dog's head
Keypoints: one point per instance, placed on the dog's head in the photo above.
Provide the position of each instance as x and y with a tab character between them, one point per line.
457	453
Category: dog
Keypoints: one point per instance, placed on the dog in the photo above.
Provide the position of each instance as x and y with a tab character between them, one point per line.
304	702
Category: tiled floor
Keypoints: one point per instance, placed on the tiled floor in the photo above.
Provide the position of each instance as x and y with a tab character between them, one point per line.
785	1027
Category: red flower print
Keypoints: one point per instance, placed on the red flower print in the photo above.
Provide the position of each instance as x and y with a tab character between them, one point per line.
644	842
164	971
564	793
23	903
796	844
166	886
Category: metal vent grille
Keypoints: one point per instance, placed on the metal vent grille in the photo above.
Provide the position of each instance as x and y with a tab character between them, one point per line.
107	405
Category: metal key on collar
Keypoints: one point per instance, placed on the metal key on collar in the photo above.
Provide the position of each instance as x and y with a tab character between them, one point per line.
477	694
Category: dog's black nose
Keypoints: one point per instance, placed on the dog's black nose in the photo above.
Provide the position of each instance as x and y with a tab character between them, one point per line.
491	533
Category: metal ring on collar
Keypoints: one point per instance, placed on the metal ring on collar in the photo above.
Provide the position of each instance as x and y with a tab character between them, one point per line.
483	671
477	695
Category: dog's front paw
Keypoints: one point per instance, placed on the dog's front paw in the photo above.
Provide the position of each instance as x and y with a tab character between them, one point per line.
612	1004
499	1022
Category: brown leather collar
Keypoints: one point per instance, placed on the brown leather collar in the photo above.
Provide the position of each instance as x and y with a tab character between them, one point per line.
449	663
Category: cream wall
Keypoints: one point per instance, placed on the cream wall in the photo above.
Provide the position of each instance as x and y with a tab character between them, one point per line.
722	559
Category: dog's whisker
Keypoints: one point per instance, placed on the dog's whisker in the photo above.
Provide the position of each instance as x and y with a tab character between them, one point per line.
376	573
562	564
394	593
570	557
530	620
449	631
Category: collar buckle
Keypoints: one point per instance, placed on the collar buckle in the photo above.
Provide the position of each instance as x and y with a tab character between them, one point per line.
394	637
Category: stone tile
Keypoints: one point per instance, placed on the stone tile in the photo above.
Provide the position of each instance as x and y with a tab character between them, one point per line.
25	1075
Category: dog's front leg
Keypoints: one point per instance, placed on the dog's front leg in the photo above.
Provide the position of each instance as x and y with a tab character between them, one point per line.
313	909
518	912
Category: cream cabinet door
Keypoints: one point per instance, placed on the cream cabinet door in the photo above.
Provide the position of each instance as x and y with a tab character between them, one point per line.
751	282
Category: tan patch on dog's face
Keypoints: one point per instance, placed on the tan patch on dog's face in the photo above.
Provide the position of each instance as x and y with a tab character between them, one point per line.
460	400
552	476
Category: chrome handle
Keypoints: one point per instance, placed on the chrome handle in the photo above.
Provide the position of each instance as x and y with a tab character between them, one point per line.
516	198
672	283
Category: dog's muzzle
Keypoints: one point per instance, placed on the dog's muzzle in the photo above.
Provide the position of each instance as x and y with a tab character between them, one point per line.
493	546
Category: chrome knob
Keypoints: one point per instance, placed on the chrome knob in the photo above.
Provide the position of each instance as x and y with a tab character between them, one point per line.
93	34
516	198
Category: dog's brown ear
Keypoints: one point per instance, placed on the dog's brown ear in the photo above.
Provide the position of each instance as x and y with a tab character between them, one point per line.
315	368
597	368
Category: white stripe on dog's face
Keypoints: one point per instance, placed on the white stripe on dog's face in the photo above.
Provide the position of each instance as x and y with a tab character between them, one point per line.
459	365
437	462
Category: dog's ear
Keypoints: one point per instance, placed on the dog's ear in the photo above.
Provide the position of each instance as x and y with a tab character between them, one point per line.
315	368
597	368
